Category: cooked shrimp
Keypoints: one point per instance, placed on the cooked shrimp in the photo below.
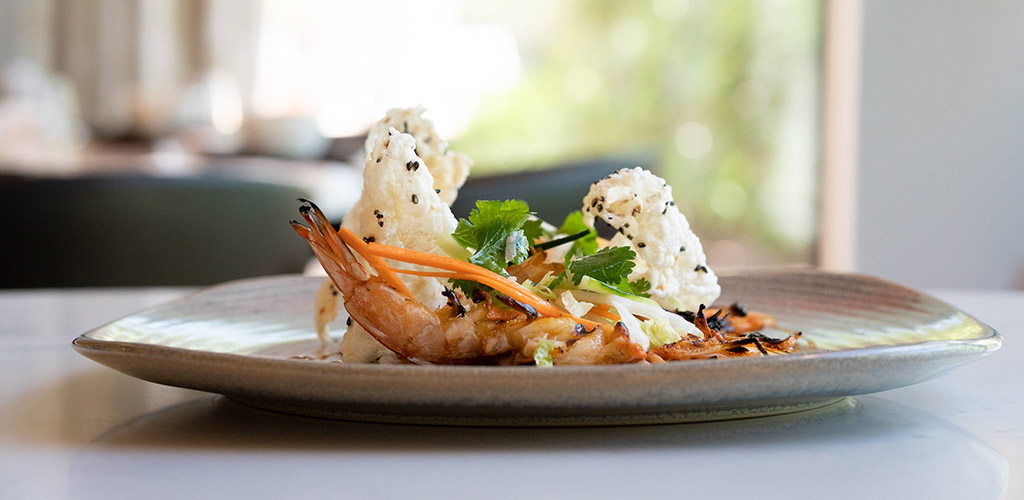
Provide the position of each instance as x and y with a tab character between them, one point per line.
481	333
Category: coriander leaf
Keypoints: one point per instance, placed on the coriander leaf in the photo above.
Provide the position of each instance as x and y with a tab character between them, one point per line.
610	268
610	265
639	287
532	229
625	287
573	224
494	231
468	287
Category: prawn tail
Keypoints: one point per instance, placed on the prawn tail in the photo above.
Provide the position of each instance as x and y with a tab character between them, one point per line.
335	256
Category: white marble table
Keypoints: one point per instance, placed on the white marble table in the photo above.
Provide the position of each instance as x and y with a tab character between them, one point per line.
70	428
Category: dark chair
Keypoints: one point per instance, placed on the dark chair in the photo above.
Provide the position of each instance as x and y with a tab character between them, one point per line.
145	231
551	193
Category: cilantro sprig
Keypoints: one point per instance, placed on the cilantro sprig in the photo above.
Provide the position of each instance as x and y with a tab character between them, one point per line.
586	245
611	266
498	233
495	233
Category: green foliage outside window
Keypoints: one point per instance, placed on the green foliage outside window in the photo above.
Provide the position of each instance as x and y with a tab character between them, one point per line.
723	94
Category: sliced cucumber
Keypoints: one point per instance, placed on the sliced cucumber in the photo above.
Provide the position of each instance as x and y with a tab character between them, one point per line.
592	285
448	245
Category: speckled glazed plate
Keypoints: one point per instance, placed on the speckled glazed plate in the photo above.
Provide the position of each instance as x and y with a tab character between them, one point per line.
242	339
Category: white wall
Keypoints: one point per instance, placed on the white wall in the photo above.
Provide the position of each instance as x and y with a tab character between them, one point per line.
940	198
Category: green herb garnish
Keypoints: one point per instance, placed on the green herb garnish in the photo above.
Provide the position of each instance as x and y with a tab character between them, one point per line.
611	266
497	233
585	245
494	232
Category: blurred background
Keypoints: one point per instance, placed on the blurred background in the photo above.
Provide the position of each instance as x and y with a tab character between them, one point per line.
145	142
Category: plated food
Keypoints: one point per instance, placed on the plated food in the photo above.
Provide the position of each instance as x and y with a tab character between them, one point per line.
247	340
568	298
502	287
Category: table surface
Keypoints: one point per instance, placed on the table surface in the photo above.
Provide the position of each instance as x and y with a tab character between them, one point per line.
70	428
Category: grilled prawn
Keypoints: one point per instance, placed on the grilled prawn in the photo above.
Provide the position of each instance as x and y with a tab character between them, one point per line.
483	332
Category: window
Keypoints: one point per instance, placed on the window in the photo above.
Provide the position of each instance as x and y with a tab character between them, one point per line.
719	97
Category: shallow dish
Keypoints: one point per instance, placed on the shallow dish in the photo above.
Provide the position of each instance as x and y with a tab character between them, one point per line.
245	339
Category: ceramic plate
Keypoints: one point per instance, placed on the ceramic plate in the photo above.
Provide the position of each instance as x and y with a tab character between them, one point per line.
244	339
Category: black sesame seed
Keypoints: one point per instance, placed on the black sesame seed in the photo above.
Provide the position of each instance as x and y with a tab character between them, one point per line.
641	245
378	160
600	207
593	203
682	248
348	322
630	236
700	267
438	191
415	199
369	239
636	211
380	222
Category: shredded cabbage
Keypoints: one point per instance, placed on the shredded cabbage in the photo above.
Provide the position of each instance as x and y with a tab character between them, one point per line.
636	332
660	332
543	287
648	311
573	306
542	355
